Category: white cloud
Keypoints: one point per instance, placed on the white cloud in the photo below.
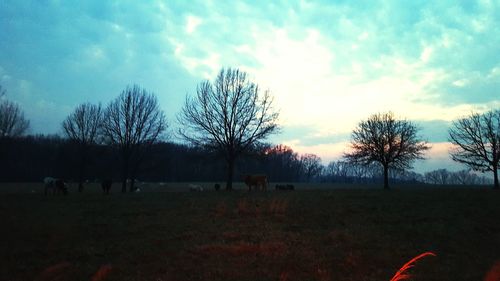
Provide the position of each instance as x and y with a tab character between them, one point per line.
297	72
192	23
363	36
327	152
437	157
426	54
461	82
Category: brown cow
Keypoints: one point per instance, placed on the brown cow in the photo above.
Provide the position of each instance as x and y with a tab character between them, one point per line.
258	181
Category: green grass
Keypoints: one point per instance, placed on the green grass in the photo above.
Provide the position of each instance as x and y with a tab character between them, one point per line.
359	234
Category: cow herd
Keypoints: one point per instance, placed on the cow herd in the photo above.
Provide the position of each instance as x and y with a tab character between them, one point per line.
259	182
55	186
59	186
253	182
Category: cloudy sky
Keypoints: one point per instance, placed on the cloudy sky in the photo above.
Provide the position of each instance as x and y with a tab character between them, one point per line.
329	64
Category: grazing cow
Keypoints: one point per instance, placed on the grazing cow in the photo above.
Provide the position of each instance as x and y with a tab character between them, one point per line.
55	186
61	186
284	187
195	187
106	185
49	184
257	181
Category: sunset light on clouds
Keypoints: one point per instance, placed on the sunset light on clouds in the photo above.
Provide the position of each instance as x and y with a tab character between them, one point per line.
328	64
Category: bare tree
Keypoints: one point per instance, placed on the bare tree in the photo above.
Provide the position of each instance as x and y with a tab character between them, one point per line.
12	120
464	177
440	176
311	166
82	127
477	142
132	123
229	116
393	143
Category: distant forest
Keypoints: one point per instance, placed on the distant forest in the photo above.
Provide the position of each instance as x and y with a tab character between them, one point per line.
31	158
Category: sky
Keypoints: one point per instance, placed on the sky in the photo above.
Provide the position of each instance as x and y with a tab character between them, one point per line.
328	64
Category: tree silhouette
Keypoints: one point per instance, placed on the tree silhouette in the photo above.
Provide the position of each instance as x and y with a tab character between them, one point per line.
393	143
229	116
477	142
12	121
439	176
311	165
132	123
82	127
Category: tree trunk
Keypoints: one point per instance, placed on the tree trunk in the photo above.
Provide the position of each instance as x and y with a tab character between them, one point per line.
495	177
230	171
80	180
124	184
124	174
386	176
132	183
81	170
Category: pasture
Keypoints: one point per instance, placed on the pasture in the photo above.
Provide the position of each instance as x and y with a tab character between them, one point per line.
167	233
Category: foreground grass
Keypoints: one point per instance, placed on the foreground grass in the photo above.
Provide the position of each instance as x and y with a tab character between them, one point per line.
301	235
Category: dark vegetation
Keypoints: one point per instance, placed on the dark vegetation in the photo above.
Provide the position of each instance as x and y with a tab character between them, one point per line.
355	234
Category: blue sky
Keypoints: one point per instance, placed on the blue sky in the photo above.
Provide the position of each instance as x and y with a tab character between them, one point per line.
329	64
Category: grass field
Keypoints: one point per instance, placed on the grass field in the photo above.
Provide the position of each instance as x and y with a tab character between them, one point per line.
308	234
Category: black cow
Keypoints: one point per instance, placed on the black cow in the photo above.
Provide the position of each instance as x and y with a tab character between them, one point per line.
284	187
106	185
61	186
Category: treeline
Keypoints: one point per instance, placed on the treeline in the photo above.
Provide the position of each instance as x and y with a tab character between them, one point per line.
31	158
347	172
462	177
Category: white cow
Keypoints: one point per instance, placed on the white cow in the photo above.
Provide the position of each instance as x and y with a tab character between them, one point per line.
55	185
195	187
49	184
